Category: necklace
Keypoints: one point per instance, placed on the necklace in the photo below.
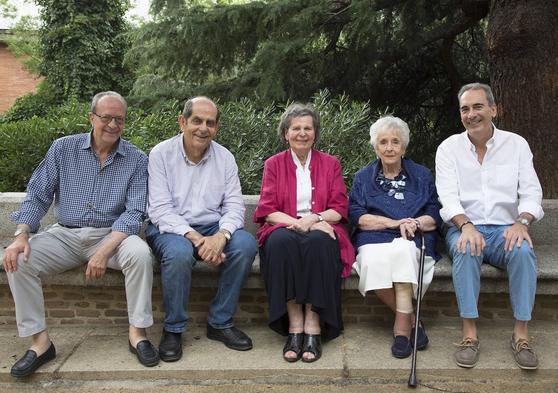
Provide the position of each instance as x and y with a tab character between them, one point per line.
393	187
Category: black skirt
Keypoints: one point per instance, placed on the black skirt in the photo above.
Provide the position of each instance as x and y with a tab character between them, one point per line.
305	267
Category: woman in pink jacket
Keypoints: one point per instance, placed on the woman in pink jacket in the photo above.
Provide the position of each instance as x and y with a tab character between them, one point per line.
304	247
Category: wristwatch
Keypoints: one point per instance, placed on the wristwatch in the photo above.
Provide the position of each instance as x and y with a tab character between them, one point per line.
226	233
20	231
320	218
523	221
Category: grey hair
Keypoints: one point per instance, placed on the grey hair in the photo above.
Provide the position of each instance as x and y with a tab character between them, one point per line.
109	93
189	107
390	123
298	110
478	86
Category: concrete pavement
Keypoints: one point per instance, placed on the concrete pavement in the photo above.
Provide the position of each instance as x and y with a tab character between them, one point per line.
361	356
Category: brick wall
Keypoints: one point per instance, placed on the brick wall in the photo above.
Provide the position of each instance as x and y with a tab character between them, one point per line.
15	81
67	305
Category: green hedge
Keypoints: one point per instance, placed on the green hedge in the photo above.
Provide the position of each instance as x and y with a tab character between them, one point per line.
247	130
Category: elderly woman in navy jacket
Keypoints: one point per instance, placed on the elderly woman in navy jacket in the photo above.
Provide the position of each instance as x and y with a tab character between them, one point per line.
390	200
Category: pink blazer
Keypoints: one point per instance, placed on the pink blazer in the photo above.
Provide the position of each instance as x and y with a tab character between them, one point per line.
278	194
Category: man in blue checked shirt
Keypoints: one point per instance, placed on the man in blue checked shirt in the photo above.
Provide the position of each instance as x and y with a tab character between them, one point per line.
196	211
98	183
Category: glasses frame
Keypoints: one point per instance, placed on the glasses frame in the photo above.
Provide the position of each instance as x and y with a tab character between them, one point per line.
107	119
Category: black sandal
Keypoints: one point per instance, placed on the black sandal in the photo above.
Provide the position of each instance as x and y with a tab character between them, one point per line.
294	343
313	345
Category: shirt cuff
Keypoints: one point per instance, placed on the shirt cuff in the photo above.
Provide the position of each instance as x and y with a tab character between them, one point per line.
19	218
228	226
180	230
127	228
448	212
532	208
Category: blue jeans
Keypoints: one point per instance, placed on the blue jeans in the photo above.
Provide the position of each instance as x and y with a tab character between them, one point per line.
520	264
178	256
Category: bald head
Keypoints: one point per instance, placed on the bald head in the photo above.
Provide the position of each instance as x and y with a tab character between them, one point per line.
189	106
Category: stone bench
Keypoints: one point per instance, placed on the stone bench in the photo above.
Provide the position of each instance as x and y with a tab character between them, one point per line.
71	300
543	233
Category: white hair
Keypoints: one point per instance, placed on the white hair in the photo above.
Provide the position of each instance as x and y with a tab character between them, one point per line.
388	123
109	93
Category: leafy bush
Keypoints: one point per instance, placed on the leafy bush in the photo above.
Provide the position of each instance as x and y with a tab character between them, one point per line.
247	130
25	142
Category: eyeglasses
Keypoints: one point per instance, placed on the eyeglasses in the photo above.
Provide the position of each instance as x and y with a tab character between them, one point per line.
108	118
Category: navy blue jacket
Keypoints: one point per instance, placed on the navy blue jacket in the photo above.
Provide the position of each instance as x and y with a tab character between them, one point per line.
421	198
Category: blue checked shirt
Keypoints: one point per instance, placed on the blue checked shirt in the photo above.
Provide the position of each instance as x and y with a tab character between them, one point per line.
84	193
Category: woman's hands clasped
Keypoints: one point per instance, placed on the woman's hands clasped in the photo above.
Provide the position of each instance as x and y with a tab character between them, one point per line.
408	227
303	224
308	223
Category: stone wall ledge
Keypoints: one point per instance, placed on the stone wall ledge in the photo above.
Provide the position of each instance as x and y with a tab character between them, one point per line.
493	280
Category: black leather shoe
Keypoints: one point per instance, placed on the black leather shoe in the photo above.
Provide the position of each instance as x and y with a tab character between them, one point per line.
232	337
146	353
312	344
294	343
170	347
30	362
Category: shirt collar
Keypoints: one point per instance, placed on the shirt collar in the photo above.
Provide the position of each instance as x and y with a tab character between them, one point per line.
206	156
297	161
496	136
87	144
87	141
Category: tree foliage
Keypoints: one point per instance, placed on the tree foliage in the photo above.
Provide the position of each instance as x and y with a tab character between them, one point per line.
83	45
7	10
407	55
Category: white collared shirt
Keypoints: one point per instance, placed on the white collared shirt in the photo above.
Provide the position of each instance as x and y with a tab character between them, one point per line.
494	192
303	186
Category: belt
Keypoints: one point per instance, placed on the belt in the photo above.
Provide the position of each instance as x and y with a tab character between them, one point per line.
68	226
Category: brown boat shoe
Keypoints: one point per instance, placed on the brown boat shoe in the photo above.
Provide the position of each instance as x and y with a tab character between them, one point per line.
467	353
524	355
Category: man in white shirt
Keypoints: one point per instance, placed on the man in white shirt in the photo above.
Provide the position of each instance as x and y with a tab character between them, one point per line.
196	211
490	195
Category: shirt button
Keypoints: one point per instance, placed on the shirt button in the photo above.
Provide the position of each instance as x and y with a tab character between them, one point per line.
313	203
313	188
89	205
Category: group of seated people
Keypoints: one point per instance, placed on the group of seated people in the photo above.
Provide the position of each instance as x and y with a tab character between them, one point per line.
485	196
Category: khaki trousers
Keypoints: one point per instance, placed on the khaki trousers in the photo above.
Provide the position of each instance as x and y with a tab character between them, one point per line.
58	249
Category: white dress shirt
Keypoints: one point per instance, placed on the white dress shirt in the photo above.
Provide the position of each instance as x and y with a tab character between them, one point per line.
182	193
303	186
494	192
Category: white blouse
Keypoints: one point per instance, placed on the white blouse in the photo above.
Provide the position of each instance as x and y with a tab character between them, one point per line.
303	186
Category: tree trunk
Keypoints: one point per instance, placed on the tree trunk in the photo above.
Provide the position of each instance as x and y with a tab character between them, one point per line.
522	43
